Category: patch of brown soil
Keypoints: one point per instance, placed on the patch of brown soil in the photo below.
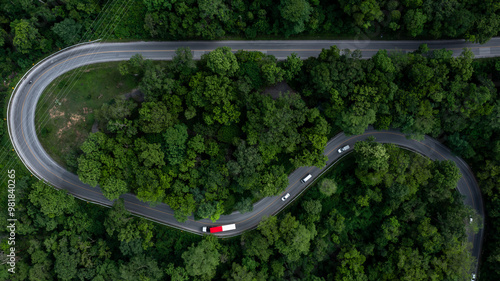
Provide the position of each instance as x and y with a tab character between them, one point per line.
73	119
76	118
91	68
87	110
54	113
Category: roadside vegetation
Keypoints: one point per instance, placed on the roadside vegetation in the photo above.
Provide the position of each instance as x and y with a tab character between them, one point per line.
426	92
66	110
454	100
206	133
363	222
217	116
31	29
410	222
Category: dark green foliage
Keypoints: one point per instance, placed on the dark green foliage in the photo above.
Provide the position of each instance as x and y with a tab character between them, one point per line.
372	162
327	187
206	210
415	21
221	61
201	260
141	267
31	31
68	30
65	266
389	193
155	117
229	134
395	225
387	231
52	202
175	143
183	62
244	206
295	14
420	93
460	146
228	141
384	215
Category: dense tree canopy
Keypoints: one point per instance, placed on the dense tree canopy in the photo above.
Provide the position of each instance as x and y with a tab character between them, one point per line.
207	133
231	139
382	214
425	92
31	29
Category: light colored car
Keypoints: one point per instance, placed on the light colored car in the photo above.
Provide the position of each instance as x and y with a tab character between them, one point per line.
343	149
306	178
473	277
285	197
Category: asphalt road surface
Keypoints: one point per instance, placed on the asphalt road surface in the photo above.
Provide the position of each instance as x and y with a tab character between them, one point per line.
23	102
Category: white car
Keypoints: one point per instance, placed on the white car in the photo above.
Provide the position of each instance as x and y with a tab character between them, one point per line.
343	149
285	197
473	277
306	178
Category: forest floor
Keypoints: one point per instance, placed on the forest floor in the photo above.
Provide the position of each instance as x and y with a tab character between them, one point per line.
275	91
66	110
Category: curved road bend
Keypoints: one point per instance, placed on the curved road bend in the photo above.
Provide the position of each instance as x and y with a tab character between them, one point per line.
23	102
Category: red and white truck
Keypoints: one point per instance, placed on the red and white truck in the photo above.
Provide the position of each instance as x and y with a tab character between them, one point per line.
219	228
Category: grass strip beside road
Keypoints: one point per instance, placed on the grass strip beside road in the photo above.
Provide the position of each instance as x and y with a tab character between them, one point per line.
66	110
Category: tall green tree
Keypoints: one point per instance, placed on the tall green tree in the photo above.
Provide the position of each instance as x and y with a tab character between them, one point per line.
52	202
141	268
415	20
155	117
26	36
68	30
295	14
175	142
201	260
221	61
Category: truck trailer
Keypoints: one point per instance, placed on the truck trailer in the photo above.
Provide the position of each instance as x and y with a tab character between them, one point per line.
219	228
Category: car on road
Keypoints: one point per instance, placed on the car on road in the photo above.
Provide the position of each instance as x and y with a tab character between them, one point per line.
473	277
306	178
30	82
285	197
343	149
219	228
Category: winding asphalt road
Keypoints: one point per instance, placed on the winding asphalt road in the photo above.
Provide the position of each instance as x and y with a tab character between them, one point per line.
23	102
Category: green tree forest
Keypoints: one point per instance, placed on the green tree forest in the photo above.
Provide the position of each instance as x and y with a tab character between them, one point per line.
411	224
212	136
30	29
205	138
381	214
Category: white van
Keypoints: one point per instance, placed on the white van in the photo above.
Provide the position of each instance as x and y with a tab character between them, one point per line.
343	149
308	177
